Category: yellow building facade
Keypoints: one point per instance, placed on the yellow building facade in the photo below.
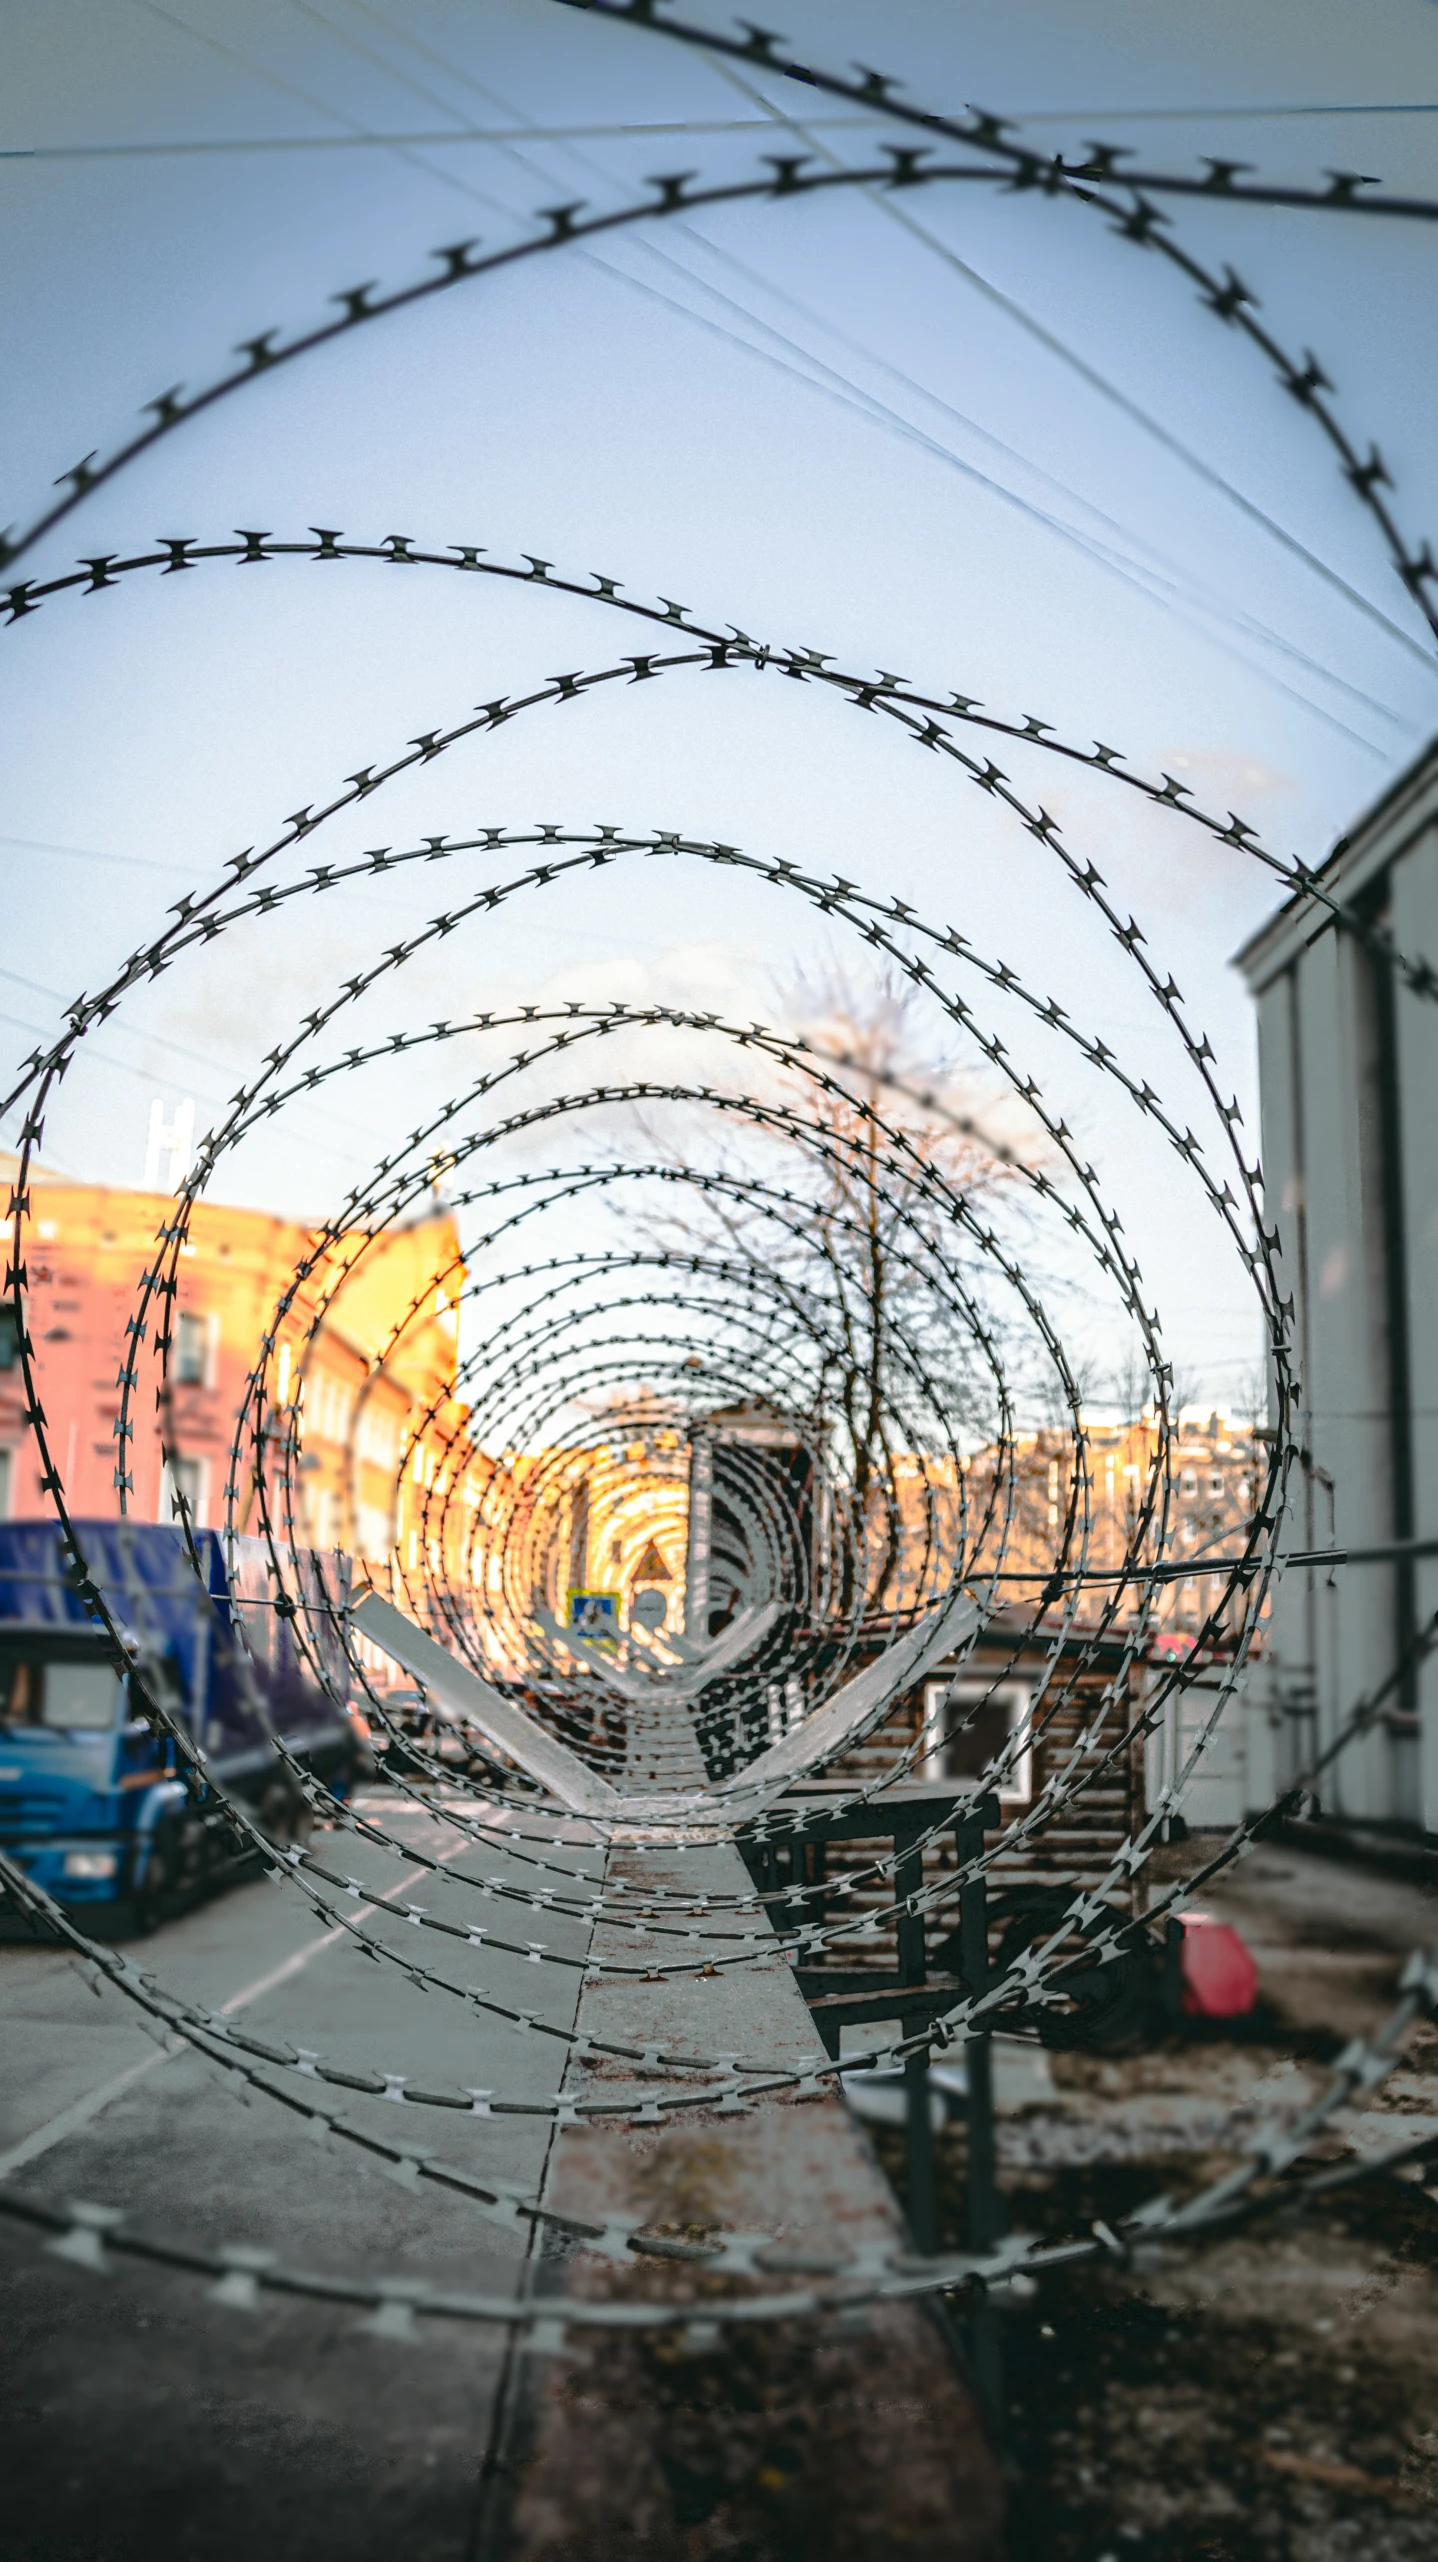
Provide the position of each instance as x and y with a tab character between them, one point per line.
362	1374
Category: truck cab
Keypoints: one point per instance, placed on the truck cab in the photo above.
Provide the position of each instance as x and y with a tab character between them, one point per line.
66	1738
92	1803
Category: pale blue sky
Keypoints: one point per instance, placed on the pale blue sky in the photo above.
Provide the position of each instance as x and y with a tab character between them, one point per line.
776	415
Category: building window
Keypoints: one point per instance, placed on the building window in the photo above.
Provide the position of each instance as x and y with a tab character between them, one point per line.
9	1336
192	1350
184	1480
1189	1484
994	1715
7	1472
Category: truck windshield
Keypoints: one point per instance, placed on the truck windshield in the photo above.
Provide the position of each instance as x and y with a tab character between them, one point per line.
71	1697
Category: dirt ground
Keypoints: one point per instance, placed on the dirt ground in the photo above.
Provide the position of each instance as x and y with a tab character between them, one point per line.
1271	2397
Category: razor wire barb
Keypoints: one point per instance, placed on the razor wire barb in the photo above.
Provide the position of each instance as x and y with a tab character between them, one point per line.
752	1325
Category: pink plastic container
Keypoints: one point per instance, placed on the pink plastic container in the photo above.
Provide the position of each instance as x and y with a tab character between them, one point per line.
1220	1979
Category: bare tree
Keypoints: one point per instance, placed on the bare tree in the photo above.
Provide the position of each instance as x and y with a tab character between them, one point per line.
868	1145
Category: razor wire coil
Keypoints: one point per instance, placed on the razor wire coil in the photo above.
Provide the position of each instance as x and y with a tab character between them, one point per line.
755	1329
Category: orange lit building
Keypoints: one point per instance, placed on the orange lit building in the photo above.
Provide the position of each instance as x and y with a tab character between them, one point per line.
610	1518
356	1391
1215	1472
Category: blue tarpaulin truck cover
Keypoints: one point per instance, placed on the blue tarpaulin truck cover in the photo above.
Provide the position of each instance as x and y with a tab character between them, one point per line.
90	1800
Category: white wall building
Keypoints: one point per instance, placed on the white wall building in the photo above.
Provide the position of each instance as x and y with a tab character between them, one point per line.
1348	1056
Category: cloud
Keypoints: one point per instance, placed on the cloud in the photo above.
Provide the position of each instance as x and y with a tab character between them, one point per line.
1233	774
720	977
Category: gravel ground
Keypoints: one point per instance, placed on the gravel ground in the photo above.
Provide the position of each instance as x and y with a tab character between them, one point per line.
1268	2398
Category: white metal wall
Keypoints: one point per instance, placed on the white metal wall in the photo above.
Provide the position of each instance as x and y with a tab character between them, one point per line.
1348	1060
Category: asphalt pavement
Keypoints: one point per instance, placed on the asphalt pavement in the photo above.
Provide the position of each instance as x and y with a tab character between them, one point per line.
140	2418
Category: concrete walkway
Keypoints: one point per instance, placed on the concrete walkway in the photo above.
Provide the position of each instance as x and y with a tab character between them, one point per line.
797	2443
140	2421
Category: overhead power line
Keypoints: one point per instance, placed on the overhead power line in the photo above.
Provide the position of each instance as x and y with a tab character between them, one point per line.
804	128
200	145
429	137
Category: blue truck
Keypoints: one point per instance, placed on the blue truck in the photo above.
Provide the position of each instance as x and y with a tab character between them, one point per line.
92	1803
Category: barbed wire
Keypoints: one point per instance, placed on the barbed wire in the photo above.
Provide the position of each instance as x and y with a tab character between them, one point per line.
874	2273
588	1346
878	93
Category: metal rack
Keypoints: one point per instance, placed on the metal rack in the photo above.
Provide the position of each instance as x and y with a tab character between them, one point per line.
784	1865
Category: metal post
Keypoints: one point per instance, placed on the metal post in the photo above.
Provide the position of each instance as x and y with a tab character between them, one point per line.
701	1519
1173	1973
918	2125
985	2208
919	2147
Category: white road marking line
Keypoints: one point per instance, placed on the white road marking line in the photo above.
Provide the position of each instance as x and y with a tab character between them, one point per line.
80	2112
291	1965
